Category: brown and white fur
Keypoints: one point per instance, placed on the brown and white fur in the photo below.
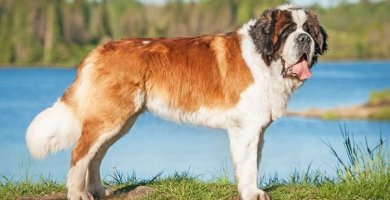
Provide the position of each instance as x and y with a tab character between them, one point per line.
239	81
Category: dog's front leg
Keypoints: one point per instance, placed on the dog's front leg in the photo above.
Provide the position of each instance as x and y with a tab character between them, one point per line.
245	151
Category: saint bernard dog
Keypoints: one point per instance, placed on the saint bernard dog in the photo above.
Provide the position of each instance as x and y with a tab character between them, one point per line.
238	81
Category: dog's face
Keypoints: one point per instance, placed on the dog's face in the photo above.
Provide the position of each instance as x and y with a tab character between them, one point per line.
291	36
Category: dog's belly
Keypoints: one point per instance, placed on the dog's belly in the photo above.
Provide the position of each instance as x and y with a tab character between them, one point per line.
212	118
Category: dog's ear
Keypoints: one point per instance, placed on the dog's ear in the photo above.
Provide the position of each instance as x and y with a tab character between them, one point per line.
262	33
318	33
321	40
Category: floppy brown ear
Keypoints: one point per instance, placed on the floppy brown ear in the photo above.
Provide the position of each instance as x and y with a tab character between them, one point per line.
321	44
322	41
262	33
318	33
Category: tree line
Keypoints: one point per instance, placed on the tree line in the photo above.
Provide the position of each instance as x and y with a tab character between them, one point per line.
61	32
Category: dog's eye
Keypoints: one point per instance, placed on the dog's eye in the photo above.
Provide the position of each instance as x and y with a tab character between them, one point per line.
307	29
287	29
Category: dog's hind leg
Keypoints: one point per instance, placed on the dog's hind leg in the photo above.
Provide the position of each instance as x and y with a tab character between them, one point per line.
83	178
86	148
93	180
107	96
105	120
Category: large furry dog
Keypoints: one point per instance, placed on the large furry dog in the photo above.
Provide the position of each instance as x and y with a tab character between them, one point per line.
238	81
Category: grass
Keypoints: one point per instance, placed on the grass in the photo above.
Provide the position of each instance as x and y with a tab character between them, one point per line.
382	99
186	186
379	98
330	115
365	174
381	114
10	189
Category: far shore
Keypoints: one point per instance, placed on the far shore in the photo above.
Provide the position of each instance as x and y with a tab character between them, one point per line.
361	112
377	108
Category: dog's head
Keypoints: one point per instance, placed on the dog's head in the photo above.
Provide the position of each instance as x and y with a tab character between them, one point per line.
292	36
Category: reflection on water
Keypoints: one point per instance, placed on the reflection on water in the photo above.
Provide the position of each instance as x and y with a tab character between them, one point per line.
154	145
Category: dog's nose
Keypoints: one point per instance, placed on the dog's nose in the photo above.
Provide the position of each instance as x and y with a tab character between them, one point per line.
303	39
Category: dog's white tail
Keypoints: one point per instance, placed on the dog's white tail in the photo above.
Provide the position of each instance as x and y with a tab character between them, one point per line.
53	129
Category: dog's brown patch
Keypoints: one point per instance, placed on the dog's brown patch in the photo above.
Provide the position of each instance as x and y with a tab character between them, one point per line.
185	73
206	72
282	19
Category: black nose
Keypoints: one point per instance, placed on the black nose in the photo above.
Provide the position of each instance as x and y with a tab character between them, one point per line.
303	38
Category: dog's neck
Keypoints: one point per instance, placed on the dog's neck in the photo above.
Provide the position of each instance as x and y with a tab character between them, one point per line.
280	90
276	88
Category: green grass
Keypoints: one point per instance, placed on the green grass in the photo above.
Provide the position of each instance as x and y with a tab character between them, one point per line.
381	114
185	186
330	115
364	175
10	189
379	98
382	99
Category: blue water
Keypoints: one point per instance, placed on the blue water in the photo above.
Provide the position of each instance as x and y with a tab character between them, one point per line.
154	145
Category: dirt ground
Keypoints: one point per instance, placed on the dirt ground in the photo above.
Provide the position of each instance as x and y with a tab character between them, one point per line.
135	194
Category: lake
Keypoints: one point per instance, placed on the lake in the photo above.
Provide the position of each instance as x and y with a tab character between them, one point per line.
154	145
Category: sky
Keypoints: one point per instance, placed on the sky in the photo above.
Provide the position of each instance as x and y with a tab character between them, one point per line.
303	3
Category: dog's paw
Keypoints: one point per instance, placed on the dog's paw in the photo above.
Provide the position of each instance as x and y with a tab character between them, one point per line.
79	195
99	191
108	192
254	194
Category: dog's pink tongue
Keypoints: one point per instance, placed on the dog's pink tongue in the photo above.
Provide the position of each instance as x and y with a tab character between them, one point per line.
302	70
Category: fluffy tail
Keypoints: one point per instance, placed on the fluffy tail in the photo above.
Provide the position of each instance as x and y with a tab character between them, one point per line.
53	129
